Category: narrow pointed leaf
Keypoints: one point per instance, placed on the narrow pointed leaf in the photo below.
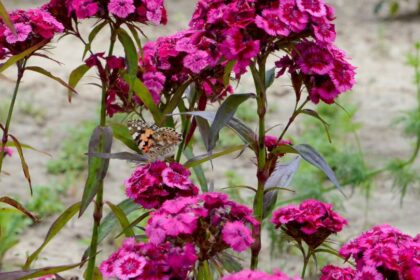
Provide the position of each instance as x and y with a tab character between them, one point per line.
143	93
100	142
48	74
18	206
11	61
281	176
29	147
309	154
92	35
130	53
132	157
35	273
269	77
135	222
315	115
75	76
228	71
25	167
224	114
55	228
122	134
198	171
209	156
122	219
4	15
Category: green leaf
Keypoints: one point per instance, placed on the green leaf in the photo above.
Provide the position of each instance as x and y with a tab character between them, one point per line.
209	156
55	228
25	167
315	115
16	58
136	36
35	273
18	206
122	134
122	218
92	35
269	77
281	176
309	154
198	171
228	71
135	222
26	146
130	54
48	74
204	271
4	15
133	157
175	100
224	114
100	141
143	93
75	76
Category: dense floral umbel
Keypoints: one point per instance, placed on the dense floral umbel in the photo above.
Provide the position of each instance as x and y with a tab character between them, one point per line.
312	221
244	29
148	261
331	272
153	184
32	27
210	221
143	11
384	252
258	275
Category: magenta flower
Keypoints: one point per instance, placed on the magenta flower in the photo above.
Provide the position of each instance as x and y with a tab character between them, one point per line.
154	183
312	58
271	142
290	14
196	61
155	82
331	272
84	8
129	266
237	236
324	30
312	221
383	252
210	221
271	23
121	8
315	8
148	261
22	33
258	275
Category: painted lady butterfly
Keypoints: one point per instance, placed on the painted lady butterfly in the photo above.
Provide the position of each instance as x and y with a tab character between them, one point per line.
157	143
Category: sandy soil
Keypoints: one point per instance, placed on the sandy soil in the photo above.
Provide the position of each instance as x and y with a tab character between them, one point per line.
384	88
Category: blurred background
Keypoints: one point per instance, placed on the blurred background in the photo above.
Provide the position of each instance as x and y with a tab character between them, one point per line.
376	129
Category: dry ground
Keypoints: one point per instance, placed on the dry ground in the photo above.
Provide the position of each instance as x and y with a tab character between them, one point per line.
378	48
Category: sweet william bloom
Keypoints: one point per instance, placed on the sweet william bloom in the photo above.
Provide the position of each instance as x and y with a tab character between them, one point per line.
121	8
22	32
129	266
290	14
84	8
312	221
196	61
237	235
324	30
258	275
331	272
368	273
155	82
312	58
316	8
271	23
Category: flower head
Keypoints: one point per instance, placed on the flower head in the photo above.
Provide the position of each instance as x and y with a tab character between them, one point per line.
22	33
312	221
121	8
258	275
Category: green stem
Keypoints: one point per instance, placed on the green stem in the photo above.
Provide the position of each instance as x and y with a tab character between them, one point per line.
259	78
5	138
204	272
97	214
306	258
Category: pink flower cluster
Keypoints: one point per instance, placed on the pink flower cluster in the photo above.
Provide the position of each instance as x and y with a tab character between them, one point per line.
312	221
142	11
243	29
258	275
32	27
271	142
384	252
210	221
148	261
153	184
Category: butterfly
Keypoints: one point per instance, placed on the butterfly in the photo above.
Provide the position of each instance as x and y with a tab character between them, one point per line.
156	143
